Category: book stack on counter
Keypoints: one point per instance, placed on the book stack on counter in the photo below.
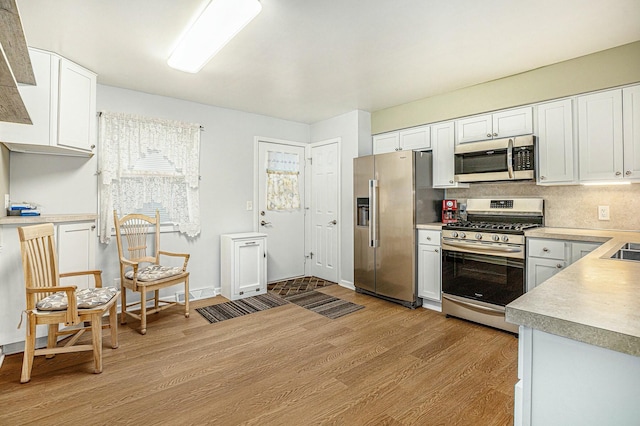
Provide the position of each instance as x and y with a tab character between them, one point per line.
23	210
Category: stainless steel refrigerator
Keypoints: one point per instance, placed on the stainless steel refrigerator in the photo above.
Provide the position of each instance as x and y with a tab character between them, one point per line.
393	194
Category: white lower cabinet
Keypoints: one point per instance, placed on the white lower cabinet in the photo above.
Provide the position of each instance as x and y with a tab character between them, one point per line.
243	265
547	257
567	382
429	269
76	244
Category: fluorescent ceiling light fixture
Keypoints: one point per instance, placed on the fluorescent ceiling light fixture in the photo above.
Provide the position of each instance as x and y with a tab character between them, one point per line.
220	21
607	183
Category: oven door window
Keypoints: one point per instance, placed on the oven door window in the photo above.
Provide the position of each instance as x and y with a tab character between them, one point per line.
491	279
481	162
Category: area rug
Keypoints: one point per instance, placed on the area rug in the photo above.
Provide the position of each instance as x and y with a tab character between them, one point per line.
238	308
323	304
297	285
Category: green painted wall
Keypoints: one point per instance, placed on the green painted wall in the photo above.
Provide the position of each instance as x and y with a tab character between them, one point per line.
601	70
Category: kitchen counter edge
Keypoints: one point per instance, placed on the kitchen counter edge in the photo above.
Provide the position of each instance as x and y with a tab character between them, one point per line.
47	218
435	226
595	300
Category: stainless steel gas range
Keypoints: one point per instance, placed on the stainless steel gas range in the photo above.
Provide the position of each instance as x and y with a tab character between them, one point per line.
483	258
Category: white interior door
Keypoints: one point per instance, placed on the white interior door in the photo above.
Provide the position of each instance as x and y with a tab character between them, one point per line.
324	210
283	225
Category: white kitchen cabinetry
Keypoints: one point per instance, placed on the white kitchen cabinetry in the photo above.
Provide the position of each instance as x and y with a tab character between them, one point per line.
62	107
502	124
547	257
76	243
631	131
77	251
243	265
567	382
429	269
414	138
442	142
600	142
556	159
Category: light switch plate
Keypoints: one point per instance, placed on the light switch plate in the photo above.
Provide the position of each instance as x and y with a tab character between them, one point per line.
6	201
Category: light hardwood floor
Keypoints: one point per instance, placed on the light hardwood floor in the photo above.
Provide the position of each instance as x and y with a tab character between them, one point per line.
382	365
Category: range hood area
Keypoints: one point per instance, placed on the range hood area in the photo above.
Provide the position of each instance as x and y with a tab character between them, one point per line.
15	64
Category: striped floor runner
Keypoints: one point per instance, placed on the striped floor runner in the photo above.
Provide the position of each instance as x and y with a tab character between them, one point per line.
238	308
323	304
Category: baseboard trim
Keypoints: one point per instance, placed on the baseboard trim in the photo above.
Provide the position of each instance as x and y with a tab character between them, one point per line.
347	284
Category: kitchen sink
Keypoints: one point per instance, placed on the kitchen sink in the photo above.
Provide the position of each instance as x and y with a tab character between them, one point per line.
629	251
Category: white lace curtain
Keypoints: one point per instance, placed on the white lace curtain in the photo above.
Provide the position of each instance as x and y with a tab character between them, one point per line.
283	191
127	182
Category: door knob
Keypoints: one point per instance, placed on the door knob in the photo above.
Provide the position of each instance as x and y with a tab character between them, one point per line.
333	222
263	223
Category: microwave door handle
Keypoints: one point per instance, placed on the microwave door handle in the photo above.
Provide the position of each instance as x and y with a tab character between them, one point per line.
510	158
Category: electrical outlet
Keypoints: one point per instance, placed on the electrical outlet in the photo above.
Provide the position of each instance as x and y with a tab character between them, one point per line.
6	201
249	205
603	213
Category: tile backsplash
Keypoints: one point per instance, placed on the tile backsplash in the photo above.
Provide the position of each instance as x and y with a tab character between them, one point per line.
573	206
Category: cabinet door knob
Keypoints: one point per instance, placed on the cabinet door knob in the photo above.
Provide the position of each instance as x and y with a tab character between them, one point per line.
628	172
450	181
93	227
333	222
488	135
93	146
263	223
543	177
495	134
558	266
428	238
437	251
618	173
546	250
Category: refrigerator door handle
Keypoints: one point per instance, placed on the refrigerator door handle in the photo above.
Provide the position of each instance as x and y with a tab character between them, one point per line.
373	222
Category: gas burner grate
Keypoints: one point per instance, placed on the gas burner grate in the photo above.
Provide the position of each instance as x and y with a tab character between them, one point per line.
491	226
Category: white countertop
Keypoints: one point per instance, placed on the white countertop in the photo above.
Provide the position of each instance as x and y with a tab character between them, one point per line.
596	300
47	218
436	226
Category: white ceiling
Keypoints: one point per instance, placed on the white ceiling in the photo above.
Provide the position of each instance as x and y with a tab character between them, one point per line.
307	61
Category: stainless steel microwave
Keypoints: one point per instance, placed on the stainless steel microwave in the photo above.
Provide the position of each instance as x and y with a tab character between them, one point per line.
495	160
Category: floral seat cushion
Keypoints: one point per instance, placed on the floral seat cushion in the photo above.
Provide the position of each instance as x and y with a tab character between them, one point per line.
155	272
85	298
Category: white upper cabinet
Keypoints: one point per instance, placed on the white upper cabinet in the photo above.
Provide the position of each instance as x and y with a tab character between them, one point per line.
501	124
600	142
62	107
631	131
414	138
555	143
386	142
442	141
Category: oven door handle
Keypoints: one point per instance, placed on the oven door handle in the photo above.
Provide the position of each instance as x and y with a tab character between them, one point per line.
472	305
472	246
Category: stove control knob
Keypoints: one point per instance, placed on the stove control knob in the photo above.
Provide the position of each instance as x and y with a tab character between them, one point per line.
478	236
496	238
463	235
505	238
454	234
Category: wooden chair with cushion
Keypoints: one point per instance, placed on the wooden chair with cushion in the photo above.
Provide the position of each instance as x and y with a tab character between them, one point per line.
50	303
141	270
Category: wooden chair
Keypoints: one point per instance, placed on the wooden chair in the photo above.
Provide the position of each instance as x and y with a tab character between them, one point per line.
42	282
135	228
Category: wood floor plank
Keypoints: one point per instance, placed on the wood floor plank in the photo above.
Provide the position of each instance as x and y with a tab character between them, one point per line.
382	365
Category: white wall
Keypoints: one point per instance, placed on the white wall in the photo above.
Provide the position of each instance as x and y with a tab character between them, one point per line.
354	131
68	185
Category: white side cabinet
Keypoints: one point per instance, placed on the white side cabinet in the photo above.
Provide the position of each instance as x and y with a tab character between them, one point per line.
547	257
556	159
414	138
429	269
503	124
243	265
443	141
62	107
77	251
